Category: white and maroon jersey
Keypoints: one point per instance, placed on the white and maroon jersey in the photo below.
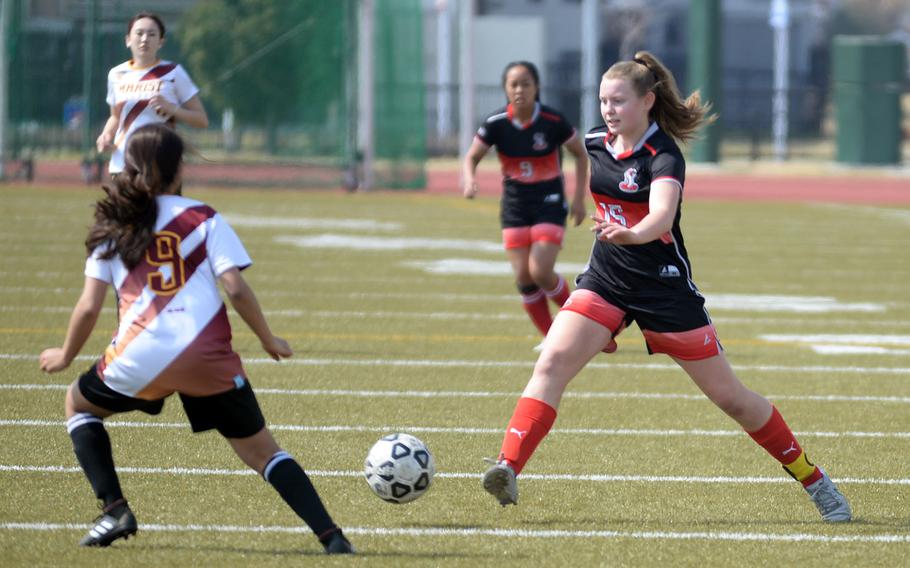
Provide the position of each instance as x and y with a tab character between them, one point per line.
174	334
621	188
529	152
129	90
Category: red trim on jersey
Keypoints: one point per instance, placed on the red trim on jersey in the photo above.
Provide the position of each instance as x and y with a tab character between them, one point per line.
550	117
158	72
531	169
132	115
650	149
510	112
692	345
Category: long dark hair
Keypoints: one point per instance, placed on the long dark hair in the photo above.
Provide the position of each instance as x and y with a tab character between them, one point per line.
126	216
678	117
532	69
151	16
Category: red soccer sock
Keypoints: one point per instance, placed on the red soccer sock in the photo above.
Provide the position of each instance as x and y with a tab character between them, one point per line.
536	306
560	294
778	440
529	425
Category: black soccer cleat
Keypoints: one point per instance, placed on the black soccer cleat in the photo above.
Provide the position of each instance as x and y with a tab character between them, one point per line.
338	544
109	528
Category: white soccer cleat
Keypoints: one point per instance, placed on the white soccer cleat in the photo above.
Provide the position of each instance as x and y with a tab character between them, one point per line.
830	502
499	481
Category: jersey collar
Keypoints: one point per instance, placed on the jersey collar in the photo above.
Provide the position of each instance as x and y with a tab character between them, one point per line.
638	145
510	112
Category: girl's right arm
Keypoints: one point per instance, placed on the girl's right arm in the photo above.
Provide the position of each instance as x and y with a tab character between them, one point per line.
244	301
82	322
106	140
469	168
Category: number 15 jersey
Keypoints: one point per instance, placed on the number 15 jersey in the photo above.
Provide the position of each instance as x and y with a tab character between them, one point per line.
174	334
621	188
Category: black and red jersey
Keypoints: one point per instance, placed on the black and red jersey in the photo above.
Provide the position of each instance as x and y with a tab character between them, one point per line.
529	152
621	188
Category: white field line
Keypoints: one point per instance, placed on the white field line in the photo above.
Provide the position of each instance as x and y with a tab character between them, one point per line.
496	533
259	221
653	432
362	393
503	316
597	478
421	363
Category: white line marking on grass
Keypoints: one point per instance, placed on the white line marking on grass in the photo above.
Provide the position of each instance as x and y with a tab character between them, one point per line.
778	303
240	220
472	267
839	339
419	363
857	350
496	533
466	430
356	242
361	393
596	478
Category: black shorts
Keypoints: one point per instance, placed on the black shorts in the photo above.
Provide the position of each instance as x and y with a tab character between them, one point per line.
234	413
528	206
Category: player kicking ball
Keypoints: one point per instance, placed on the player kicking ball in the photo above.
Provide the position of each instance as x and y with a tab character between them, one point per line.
639	271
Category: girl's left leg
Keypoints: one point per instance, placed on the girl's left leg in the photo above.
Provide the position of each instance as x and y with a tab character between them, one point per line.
762	421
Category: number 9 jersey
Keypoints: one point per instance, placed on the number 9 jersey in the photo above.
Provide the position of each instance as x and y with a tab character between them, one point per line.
174	334
531	167
621	188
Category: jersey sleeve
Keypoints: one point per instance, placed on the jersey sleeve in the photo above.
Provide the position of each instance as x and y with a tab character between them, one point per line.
486	134
184	86
111	96
98	268
223	247
564	130
668	166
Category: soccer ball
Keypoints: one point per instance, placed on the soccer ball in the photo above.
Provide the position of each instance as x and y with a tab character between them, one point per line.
399	468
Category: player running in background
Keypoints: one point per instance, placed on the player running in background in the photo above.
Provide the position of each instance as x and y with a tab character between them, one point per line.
528	136
639	271
146	90
164	255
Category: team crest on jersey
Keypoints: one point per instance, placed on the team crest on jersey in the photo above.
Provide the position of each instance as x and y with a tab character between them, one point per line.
628	183
540	141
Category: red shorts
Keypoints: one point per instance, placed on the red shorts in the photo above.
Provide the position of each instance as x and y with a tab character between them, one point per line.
523	237
697	342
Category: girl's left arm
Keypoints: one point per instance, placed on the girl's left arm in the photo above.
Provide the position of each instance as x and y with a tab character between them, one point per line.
582	175
82	322
662	204
191	112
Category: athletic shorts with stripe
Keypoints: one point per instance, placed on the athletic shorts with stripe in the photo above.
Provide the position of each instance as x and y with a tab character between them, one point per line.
234	413
532	214
675	324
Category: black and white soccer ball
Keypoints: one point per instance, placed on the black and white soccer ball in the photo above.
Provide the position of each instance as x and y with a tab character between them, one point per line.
399	468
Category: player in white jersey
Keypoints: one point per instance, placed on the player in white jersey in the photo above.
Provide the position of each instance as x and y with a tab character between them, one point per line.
165	255
146	90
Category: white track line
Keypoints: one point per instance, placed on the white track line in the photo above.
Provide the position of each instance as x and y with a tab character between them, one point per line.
361	393
600	478
498	533
466	430
421	363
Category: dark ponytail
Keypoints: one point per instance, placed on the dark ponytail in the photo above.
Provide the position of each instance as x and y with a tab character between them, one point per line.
125	217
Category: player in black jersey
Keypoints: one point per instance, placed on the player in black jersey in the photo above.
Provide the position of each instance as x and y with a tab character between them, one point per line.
639	271
528	136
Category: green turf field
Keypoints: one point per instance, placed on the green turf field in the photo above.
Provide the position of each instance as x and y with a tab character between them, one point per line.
639	469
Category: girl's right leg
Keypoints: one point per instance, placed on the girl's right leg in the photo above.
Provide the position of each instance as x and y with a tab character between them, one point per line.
262	453
533	298
572	341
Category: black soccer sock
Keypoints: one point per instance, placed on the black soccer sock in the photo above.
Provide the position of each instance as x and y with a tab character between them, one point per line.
93	450
294	486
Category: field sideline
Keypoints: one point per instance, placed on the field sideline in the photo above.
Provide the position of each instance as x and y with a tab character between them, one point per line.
403	316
